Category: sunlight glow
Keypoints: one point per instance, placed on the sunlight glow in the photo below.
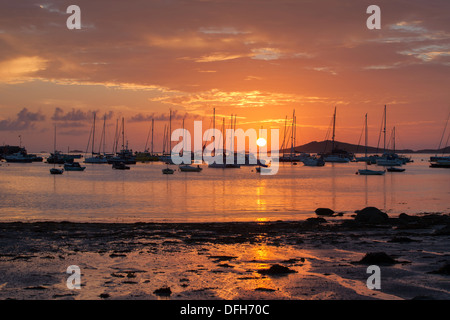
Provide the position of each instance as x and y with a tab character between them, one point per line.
261	142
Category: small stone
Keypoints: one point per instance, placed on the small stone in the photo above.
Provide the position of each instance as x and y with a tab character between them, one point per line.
324	212
377	258
444	270
163	292
276	269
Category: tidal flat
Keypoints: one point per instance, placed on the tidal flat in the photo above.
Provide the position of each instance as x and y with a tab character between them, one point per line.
322	258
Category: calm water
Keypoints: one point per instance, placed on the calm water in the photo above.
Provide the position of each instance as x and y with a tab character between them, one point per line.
28	192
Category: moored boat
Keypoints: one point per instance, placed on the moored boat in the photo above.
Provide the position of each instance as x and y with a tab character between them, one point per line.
74	166
394	169
56	171
120	166
314	162
18	157
168	171
188	168
367	172
440	163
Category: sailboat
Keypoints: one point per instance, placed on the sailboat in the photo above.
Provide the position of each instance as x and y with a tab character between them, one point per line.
96	158
147	155
55	170
222	165
125	155
388	159
313	161
366	171
336	155
441	161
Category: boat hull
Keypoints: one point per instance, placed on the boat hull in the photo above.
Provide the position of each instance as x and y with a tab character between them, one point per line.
370	172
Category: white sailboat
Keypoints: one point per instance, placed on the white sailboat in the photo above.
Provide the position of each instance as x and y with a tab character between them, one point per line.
313	161
388	159
368	172
336	155
222	165
55	170
95	158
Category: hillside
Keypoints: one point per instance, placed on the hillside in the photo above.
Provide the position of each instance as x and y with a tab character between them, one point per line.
325	146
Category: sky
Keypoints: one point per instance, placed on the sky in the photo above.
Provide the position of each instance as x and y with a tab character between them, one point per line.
258	60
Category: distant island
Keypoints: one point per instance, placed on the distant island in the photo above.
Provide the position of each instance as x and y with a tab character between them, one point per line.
326	145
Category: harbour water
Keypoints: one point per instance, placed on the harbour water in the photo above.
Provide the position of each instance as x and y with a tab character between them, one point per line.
28	192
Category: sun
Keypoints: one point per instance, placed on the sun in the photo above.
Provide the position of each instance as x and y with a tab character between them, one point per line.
261	142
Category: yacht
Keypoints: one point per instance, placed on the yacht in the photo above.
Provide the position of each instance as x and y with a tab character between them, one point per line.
120	166
188	168
74	166
313	162
18	157
367	172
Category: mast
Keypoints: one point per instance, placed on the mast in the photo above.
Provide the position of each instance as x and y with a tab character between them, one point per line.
104	134
153	122
214	130
223	139
442	137
93	135
146	141
384	130
393	137
123	133
102	138
54	149
284	136
366	134
170	132
292	133
184	142
164	139
334	130
116	136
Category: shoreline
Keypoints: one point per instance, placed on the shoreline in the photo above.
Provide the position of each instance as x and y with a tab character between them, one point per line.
319	258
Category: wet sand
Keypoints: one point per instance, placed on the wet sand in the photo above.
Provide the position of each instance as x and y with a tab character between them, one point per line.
317	259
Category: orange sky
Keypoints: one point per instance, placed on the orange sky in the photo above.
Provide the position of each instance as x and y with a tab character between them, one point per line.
253	58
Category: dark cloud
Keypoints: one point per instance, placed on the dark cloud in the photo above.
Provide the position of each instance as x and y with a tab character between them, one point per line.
78	115
24	120
176	115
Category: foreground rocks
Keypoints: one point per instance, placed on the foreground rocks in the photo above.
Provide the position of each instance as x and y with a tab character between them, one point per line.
371	215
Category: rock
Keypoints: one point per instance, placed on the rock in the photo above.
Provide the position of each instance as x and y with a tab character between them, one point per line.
371	215
265	289
276	269
445	231
402	240
163	292
104	295
324	212
445	270
316	220
377	258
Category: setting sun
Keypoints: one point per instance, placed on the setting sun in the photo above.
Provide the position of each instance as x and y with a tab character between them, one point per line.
261	142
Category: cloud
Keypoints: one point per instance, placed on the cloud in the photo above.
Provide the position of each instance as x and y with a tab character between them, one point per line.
78	115
237	99
24	120
176	115
21	69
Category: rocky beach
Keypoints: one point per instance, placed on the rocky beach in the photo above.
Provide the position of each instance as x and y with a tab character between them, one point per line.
321	258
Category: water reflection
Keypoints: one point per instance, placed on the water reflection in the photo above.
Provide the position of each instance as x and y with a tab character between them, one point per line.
144	193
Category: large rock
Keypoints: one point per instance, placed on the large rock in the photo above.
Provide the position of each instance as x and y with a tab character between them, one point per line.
377	258
371	215
324	212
